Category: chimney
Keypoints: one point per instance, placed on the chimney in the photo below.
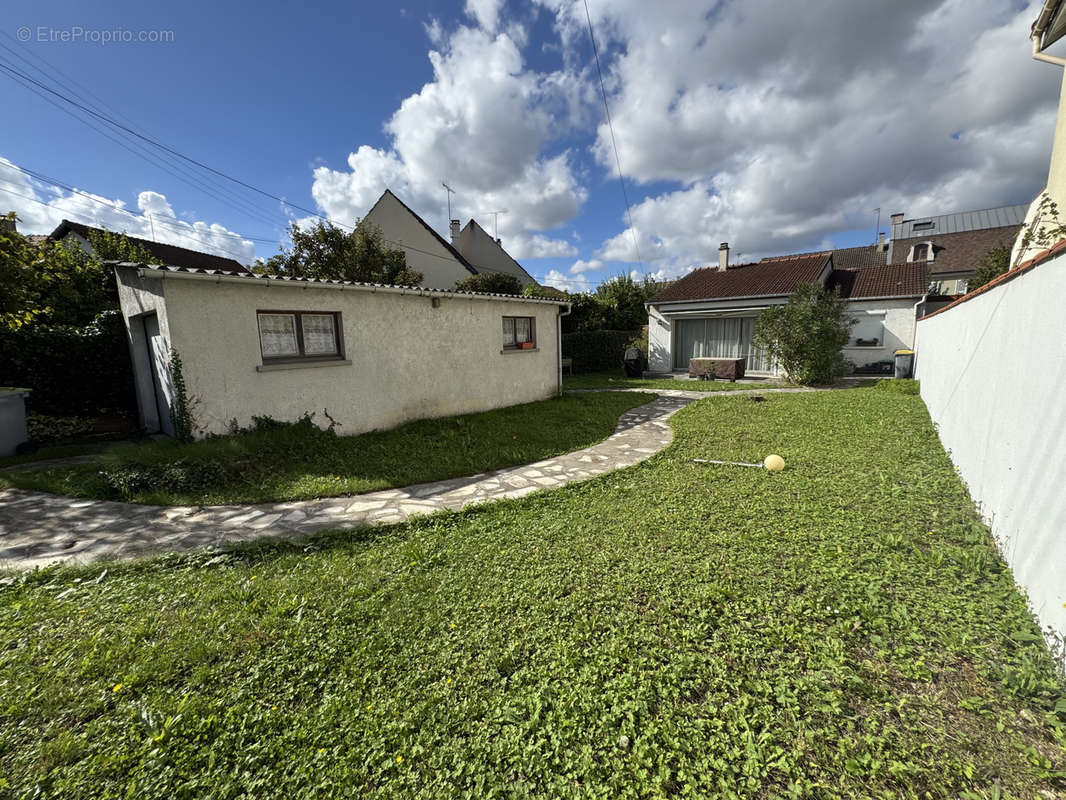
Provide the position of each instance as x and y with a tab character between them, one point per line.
897	219
880	238
723	256
9	223
455	232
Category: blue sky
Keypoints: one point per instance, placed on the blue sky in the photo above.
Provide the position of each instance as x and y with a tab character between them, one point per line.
730	124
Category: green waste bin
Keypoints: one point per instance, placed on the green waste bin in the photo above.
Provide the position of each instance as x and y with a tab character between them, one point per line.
904	364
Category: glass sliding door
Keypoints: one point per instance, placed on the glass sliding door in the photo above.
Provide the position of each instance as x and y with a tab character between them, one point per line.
717	337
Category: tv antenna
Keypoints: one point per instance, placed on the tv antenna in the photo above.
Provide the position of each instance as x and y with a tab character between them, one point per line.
450	192
496	222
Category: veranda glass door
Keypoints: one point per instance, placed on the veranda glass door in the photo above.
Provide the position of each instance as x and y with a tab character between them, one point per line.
717	337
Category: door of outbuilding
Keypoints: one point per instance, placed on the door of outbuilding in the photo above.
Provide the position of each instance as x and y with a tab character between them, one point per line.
159	358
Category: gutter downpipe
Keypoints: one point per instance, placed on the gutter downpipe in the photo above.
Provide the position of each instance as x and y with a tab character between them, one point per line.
914	344
1059	62
1047	11
559	339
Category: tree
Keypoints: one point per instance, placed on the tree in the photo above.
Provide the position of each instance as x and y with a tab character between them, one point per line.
58	283
994	263
326	252
491	282
805	335
623	299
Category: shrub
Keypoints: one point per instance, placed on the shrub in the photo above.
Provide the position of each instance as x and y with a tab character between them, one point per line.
491	283
72	371
183	475
44	428
806	334
994	263
594	351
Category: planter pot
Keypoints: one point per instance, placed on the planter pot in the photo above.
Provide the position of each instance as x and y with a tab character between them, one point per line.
526	345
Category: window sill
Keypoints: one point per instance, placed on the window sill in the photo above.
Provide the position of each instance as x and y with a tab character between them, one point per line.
332	362
509	350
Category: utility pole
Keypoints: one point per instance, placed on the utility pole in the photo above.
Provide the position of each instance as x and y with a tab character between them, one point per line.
450	191
496	222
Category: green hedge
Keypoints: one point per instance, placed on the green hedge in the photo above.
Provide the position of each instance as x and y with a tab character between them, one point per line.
596	351
72	371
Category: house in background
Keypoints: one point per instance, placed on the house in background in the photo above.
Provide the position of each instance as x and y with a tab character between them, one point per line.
77	233
952	244
711	312
442	263
370	356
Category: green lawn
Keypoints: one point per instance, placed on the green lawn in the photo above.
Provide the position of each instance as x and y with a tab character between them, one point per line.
615	379
842	629
296	462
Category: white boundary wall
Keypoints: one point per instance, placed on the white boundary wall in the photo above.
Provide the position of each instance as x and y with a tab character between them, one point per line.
993	375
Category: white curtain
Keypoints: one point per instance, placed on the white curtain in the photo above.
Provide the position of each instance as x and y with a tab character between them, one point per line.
319	338
722	337
277	332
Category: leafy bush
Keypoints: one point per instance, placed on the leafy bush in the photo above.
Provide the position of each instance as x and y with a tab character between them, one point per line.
184	475
594	351
806	334
72	371
490	282
994	263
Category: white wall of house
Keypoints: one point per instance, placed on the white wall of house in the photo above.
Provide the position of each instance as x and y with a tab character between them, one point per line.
993	375
404	359
891	320
425	253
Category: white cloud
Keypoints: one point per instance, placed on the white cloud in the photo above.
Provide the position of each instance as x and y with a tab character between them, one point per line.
586	266
780	123
561	281
486	12
526	246
488	127
41	208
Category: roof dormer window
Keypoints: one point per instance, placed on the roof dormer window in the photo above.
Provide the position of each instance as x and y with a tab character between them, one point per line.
928	225
923	251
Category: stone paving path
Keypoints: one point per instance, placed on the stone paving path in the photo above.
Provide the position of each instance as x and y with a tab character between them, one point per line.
37	529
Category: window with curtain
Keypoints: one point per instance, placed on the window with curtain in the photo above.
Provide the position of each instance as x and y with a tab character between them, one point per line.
296	335
868	331
519	333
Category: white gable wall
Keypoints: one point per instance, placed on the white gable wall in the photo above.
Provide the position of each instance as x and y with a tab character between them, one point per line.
481	250
425	253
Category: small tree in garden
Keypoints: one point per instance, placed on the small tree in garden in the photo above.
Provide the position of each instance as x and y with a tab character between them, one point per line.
805	335
491	282
994	263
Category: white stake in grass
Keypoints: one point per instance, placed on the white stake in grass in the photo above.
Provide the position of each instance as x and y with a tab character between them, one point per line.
772	463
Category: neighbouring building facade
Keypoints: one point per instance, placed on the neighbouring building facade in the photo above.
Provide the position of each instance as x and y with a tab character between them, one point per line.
369	356
442	263
711	313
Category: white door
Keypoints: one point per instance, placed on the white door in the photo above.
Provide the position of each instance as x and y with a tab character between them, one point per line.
159	357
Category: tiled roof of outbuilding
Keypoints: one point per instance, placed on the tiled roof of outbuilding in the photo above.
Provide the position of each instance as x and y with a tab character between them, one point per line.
769	278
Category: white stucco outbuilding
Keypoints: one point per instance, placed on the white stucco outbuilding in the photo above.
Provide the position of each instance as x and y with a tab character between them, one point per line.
370	356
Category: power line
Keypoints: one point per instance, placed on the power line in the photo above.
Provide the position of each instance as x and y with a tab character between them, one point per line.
610	126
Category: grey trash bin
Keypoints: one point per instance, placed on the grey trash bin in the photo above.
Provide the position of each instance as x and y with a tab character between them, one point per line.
12	419
904	364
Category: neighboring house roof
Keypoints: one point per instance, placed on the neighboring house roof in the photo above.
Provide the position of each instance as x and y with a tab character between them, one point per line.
870	255
251	277
960	222
444	242
895	280
36	238
768	278
956	252
167	253
473	237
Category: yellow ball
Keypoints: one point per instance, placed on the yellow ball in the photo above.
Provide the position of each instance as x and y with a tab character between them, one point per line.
774	463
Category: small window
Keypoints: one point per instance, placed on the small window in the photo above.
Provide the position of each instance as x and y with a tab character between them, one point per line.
924	226
296	335
868	331
519	333
920	252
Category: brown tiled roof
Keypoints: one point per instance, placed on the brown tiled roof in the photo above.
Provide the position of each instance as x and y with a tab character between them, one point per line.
769	278
167	253
956	252
870	255
895	280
